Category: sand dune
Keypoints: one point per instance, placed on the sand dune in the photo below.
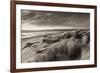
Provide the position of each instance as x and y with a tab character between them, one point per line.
56	46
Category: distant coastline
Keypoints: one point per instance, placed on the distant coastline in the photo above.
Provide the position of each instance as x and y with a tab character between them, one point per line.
54	30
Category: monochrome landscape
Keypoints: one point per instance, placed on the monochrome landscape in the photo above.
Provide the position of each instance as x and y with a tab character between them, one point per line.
54	36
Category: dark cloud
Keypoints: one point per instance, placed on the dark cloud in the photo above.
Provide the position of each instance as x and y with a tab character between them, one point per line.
43	18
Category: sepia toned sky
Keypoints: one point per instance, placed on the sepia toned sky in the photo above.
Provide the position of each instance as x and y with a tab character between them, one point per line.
42	20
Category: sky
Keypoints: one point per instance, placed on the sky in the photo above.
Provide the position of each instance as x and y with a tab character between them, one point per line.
43	20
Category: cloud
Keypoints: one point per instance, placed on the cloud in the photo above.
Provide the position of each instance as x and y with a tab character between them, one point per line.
44	18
